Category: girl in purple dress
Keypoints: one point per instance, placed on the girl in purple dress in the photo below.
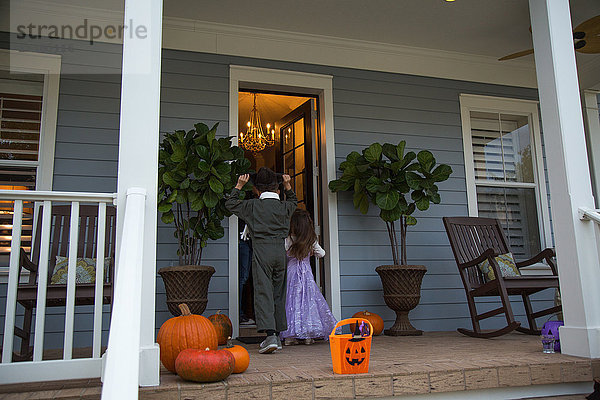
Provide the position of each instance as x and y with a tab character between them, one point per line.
307	312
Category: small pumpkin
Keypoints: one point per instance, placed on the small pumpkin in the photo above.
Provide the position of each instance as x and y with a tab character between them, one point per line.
204	365
222	325
183	332
373	318
241	356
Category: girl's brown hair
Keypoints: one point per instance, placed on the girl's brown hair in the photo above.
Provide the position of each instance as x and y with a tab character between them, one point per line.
303	229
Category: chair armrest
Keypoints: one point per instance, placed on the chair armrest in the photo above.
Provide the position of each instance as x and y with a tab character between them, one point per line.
488	254
26	263
546	254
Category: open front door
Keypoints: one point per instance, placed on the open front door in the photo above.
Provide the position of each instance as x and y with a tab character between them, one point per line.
299	155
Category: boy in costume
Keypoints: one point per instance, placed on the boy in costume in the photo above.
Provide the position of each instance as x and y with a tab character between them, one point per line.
268	223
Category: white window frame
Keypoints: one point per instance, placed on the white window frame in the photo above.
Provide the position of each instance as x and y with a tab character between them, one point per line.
526	108
47	65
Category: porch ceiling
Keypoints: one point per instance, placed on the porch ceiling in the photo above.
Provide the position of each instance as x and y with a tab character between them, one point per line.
477	27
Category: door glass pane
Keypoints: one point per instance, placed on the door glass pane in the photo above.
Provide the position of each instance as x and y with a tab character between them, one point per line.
299	132
288	163
299	159
288	138
300	187
516	210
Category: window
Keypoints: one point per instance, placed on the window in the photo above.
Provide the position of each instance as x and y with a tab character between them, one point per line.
28	111
504	169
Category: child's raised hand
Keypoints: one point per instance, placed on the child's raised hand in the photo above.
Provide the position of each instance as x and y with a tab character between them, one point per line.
242	180
286	182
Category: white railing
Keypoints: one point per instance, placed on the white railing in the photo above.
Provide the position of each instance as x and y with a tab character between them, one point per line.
67	367
121	375
589	214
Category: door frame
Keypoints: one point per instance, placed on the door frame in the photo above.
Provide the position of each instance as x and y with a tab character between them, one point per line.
244	77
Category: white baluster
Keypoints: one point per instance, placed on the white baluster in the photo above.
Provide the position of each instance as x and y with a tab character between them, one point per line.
40	311
71	275
13	282
99	294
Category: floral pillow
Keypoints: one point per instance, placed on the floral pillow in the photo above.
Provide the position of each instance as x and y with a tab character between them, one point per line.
507	265
85	272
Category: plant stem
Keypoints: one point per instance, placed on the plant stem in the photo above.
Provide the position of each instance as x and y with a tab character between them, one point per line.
403	226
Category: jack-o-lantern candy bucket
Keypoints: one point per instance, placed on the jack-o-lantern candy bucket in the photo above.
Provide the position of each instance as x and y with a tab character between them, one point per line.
350	352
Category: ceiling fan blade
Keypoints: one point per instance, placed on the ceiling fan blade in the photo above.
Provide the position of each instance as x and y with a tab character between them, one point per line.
590	27
592	46
516	55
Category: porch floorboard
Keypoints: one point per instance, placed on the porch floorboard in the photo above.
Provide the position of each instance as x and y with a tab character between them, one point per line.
432	363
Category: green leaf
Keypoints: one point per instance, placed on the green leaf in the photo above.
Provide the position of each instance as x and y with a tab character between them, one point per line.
373	153
201	128
353	157
389	150
373	184
422	203
185	184
203	152
215	185
203	166
168	217
170	181
435	198
223	169
390	215
417	195
426	159
361	202
179	153
400	149
339	185
387	201
164	207
413	180
210	199
172	196
441	173
410	220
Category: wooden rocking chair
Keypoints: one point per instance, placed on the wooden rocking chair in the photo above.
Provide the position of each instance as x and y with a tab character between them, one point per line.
56	294
474	240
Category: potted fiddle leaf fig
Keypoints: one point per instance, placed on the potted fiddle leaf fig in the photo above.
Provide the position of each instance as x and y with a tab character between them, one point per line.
398	183
195	171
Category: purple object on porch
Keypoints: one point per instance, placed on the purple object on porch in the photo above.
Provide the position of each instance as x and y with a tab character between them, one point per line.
551	328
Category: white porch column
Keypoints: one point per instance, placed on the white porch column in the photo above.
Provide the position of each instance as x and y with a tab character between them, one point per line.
568	172
138	153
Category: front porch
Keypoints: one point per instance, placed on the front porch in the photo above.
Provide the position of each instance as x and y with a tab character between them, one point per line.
439	362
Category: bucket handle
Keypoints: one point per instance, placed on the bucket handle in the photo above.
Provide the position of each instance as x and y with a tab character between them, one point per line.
349	321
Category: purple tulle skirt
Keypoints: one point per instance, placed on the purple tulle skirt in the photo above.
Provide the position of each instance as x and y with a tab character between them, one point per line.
307	312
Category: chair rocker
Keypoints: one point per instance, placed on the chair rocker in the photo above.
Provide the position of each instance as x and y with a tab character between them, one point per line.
56	294
474	240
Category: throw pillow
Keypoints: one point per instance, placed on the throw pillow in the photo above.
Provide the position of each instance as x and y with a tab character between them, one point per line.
85	272
507	265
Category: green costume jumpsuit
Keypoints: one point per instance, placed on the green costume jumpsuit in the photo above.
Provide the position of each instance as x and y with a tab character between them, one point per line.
268	222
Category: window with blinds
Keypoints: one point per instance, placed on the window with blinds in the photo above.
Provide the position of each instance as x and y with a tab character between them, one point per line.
504	175
20	128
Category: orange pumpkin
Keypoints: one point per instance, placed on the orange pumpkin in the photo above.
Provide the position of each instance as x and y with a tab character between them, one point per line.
374	319
187	331
223	326
204	365
241	356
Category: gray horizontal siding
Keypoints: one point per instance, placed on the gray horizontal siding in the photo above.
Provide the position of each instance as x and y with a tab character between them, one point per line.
368	106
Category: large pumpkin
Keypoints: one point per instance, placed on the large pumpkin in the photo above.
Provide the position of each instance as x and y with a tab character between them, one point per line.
187	331
222	325
374	319
204	365
242	358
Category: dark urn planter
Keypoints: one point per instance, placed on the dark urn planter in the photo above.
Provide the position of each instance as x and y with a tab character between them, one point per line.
187	284
402	292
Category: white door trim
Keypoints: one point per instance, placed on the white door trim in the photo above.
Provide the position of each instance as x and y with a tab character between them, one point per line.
302	83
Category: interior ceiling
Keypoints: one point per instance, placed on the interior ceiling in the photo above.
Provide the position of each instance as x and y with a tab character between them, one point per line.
271	107
483	27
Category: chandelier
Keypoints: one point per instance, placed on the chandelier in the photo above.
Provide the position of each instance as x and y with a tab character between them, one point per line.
255	139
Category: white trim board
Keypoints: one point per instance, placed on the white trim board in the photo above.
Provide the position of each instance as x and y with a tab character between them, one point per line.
302	83
216	38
